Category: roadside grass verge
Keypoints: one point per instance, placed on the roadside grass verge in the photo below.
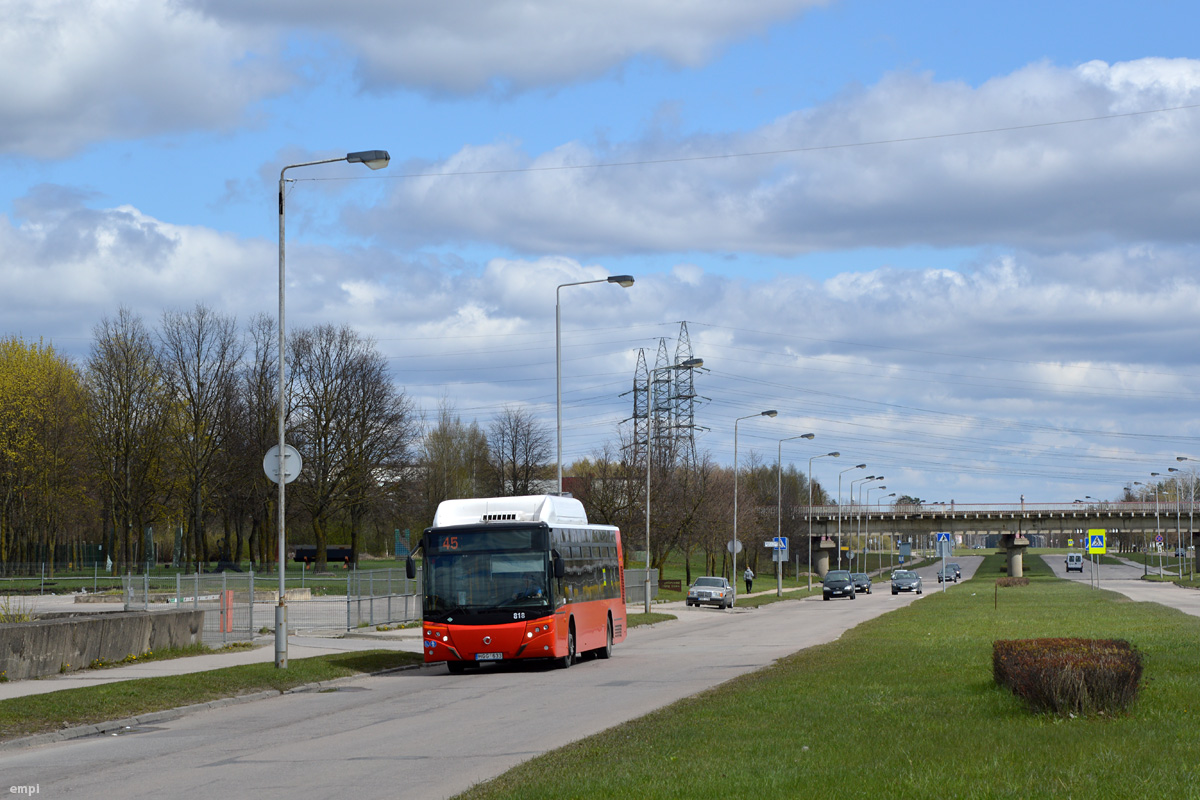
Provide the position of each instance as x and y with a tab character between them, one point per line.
41	713
905	706
637	620
788	594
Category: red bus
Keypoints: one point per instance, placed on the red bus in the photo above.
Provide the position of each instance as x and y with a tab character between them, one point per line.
509	578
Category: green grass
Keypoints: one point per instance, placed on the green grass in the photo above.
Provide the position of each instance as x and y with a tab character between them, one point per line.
788	594
905	706
637	620
23	716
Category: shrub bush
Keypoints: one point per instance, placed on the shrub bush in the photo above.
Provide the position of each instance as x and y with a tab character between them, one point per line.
1012	581
1069	676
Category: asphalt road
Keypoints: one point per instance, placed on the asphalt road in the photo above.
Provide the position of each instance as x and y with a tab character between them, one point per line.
427	734
1126	579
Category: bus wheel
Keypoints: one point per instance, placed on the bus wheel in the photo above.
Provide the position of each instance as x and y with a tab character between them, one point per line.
606	651
567	660
456	667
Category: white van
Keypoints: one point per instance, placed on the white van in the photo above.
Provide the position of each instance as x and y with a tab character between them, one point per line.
1074	562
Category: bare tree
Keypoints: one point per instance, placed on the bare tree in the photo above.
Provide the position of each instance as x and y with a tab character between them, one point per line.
519	448
454	459
611	489
257	432
380	427
353	426
201	351
127	405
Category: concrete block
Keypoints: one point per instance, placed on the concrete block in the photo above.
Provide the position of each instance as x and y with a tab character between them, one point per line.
49	646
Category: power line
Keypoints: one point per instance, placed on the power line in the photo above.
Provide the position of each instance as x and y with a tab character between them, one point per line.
756	153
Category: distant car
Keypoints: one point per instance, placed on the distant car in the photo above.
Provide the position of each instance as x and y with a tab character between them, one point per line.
1074	562
904	580
862	582
957	570
838	583
710	591
946	574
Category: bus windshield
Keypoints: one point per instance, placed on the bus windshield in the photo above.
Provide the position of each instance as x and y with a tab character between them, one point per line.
466	582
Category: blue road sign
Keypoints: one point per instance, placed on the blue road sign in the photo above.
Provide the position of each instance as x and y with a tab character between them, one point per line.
943	537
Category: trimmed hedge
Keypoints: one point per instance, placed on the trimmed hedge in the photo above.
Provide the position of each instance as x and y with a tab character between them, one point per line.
1069	676
1012	581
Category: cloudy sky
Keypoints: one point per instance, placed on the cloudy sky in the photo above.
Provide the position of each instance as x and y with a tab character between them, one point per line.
956	241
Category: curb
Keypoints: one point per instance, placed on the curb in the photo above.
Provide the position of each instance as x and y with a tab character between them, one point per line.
168	714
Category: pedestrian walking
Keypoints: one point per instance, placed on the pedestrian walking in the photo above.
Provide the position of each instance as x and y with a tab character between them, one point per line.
749	576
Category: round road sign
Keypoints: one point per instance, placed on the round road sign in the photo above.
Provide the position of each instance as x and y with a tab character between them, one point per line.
292	464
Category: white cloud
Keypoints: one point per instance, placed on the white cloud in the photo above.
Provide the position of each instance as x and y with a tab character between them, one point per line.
81	71
462	46
1084	185
1002	355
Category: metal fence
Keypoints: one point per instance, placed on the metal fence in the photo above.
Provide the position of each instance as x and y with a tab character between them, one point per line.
240	606
635	586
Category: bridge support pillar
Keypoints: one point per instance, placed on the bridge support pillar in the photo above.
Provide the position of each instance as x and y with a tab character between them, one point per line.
1014	550
822	553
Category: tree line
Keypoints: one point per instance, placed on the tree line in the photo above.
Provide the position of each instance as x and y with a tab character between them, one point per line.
151	450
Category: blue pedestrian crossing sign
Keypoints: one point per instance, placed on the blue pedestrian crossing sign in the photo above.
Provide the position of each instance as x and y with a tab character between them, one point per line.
1096	544
943	537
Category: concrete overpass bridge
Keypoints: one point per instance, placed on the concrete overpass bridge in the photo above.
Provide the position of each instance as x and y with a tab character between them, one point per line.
1010	528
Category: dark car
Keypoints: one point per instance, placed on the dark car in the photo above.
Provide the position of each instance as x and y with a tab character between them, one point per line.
904	580
946	574
862	582
957	570
838	583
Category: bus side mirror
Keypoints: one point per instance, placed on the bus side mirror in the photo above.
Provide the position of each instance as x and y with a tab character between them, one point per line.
560	569
410	568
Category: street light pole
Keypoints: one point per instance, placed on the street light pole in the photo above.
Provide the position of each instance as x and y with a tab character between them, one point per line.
1178	527
1157	526
1191	510
834	454
879	512
624	281
690	363
866	531
857	514
375	159
779	507
839	544
1145	545
770	413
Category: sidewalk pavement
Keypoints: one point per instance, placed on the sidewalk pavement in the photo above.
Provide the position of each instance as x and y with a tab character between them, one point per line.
408	639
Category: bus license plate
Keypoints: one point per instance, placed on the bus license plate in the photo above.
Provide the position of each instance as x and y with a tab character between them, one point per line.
489	656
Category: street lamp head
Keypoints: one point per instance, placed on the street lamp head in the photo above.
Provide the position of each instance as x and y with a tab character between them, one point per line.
1181	458
1172	469
625	281
835	454
692	363
770	413
860	466
375	159
1154	474
808	436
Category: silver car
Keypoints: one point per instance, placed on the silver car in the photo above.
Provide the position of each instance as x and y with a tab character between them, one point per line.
711	591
